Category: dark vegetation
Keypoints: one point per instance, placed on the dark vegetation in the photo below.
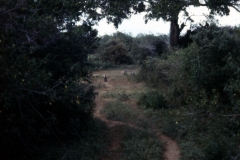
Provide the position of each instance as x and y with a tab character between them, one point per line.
170	10
44	99
195	96
153	100
121	48
201	85
139	144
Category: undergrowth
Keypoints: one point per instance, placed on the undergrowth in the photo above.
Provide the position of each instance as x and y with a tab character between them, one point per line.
200	136
152	99
122	95
201	85
119	111
141	145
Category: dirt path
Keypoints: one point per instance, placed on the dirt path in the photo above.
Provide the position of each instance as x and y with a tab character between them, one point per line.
116	80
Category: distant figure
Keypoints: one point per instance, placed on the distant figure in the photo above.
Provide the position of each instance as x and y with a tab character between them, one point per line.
105	78
125	72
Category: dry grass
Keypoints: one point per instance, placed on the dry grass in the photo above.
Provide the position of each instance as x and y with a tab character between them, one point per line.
117	106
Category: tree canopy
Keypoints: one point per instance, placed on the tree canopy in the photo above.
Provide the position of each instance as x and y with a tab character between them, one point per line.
168	10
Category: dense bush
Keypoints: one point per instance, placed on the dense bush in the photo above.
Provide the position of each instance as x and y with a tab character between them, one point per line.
43	96
140	144
202	82
113	49
150	45
116	53
160	47
122	48
212	65
160	72
153	100
151	71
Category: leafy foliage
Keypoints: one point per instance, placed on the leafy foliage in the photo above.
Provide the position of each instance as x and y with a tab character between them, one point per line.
116	53
155	71
212	63
166	10
121	48
139	144
119	111
43	96
203	86
160	47
153	45
153	100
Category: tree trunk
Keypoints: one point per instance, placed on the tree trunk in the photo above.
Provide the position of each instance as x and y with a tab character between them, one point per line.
174	33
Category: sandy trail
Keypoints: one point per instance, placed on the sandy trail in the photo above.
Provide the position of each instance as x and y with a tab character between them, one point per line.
172	151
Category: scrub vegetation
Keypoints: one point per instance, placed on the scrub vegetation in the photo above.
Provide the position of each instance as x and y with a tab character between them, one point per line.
201	86
54	103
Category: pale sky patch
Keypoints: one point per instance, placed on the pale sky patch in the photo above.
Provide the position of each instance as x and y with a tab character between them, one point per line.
136	24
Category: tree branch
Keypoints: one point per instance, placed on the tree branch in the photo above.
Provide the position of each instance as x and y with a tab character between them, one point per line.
235	8
205	5
231	115
46	124
42	92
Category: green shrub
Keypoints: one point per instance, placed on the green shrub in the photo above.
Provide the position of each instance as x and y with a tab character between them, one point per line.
123	97
128	49
218	148
190	151
98	65
115	52
203	83
160	47
141	145
119	111
152	72
153	100
212	64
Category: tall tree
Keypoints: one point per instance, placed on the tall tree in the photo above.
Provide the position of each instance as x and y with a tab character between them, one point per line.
168	10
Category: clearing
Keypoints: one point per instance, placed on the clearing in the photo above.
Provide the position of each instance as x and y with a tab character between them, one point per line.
124	89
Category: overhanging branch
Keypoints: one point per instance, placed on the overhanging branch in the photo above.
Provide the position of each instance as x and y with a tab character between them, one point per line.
235	8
